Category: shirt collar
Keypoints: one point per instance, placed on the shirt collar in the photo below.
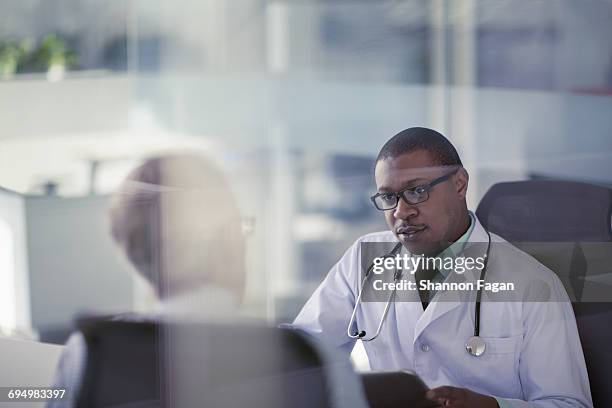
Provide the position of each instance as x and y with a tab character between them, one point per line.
208	302
457	247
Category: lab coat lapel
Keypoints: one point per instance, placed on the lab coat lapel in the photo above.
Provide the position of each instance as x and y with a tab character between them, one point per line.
443	303
446	301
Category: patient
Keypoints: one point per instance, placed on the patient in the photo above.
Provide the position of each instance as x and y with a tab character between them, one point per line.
177	222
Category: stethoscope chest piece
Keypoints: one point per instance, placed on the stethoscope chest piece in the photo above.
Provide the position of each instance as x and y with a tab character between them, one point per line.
475	346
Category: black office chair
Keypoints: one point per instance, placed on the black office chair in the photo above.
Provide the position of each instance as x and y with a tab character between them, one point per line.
567	227
147	364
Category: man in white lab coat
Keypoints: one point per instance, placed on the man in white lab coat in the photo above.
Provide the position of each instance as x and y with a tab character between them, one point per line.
533	355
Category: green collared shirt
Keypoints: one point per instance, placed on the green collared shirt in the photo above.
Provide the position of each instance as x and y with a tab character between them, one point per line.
453	251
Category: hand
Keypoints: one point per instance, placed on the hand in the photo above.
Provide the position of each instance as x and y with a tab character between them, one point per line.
453	397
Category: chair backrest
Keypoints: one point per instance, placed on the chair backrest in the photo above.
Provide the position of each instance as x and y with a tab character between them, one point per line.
566	226
122	364
547	211
149	364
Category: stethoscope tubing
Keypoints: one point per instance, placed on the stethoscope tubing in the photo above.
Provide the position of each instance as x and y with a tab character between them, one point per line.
360	335
479	293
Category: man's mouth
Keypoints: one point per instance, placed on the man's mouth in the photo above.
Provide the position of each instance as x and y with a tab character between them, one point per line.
410	231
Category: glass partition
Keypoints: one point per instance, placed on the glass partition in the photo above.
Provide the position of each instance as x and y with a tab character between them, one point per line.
292	100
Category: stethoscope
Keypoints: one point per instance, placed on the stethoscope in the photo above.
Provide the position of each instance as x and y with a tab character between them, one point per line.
474	345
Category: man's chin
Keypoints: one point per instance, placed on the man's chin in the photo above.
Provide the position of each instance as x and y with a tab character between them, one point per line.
426	248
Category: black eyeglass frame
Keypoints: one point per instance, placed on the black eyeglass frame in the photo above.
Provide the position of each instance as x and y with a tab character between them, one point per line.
425	187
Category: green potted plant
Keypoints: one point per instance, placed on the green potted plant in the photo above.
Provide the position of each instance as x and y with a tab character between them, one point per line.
10	54
57	56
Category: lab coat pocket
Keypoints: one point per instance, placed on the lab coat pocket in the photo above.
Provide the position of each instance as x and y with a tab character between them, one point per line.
496	370
501	345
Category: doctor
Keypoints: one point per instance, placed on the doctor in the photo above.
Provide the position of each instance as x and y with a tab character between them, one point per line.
533	356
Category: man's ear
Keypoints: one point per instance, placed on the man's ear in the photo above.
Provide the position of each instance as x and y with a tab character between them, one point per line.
462	179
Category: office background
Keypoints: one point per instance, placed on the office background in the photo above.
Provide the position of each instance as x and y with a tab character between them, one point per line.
293	99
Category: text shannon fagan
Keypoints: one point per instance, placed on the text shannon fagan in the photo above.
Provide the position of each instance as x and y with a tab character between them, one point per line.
406	285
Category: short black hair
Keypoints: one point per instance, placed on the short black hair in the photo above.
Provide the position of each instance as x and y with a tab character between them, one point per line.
419	138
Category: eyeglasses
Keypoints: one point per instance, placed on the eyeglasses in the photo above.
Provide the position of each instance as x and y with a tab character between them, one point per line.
412	195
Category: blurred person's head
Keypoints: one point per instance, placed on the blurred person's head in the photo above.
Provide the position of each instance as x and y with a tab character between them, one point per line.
412	159
178	223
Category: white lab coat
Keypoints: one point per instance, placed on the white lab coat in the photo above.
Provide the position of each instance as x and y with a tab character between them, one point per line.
533	356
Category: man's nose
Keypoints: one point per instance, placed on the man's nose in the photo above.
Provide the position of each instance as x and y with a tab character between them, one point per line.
404	210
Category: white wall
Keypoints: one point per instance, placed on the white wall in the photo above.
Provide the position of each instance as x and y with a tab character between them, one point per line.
14	284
